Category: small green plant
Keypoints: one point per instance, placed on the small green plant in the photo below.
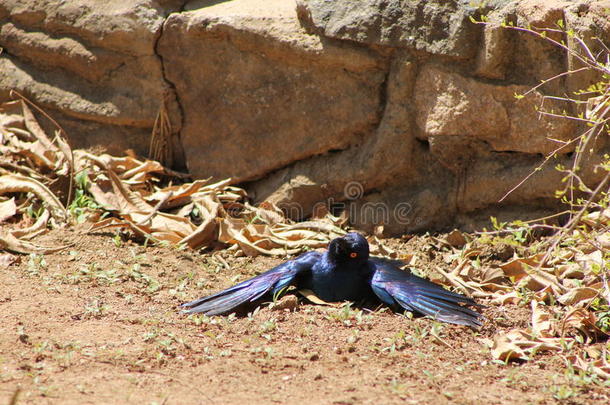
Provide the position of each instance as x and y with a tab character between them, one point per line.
514	376
268	326
82	204
602	312
418	333
117	240
46	391
167	343
94	272
151	284
348	316
563	392
179	290
396	343
36	263
279	294
34	210
398	387
95	309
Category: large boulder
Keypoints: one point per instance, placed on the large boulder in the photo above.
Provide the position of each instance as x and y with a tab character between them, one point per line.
259	93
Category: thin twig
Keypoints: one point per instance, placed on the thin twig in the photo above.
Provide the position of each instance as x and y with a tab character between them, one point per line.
569	227
548	217
568	117
521	228
537	169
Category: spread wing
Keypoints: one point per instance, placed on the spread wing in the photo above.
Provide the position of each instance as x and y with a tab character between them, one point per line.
271	281
396	287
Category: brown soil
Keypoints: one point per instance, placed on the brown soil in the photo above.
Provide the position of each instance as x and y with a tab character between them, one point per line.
98	323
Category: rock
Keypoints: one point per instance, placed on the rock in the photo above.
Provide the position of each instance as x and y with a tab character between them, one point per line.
592	22
449	104
440	27
534	60
259	93
494	53
93	67
523	58
344	176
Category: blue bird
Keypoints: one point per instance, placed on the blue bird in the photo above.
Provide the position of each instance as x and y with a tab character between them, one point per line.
346	272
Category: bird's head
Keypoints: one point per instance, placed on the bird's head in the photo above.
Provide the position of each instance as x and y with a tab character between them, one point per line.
352	247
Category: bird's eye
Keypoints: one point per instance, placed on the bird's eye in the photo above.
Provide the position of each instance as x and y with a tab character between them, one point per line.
353	255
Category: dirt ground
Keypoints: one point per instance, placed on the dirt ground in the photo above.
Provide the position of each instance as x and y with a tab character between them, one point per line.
98	323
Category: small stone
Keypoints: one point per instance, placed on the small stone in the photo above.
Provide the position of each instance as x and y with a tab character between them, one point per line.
288	302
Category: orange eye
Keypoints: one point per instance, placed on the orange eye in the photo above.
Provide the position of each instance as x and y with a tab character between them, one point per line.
353	255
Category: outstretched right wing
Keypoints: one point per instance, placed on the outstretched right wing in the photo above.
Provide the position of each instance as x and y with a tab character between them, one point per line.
274	281
394	286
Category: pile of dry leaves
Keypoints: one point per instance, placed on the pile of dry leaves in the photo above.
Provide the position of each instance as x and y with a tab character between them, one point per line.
50	179
568	292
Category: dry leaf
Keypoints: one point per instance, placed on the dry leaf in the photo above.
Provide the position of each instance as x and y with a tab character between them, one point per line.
472	253
517	268
582	320
180	195
36	229
506	347
520	345
597	218
15	183
541	282
603	239
492	275
600	367
378	248
410	259
162	222
139	173
590	261
542	321
269	213
128	200
313	298
12	244
456	239
579	296
7	209
569	270
511	297
206	232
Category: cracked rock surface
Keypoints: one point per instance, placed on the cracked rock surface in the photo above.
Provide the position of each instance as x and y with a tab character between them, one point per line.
401	112
92	65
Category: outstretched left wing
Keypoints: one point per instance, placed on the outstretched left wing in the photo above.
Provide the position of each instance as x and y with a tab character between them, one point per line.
396	287
274	281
